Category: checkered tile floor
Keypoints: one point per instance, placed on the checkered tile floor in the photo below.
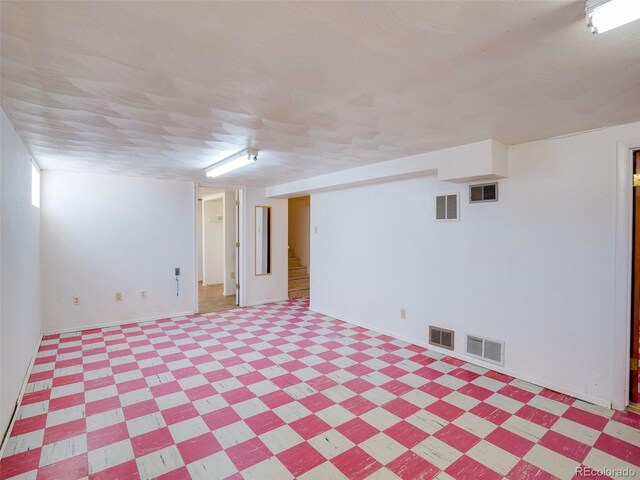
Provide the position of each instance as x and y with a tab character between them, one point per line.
279	392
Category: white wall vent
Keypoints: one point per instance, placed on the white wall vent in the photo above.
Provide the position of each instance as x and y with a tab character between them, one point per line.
447	207
441	337
485	192
488	350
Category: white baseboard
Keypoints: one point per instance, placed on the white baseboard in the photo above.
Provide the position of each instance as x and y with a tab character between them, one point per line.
273	300
118	323
489	366
4	436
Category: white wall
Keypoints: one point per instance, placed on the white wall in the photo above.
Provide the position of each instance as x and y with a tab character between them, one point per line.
199	243
104	234
299	228
534	269
213	242
266	288
20	318
229	243
486	159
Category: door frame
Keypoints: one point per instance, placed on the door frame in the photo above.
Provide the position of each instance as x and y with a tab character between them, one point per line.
621	327
240	252
241	255
635	282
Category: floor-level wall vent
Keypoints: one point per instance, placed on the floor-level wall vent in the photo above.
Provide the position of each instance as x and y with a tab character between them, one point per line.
485	349
441	337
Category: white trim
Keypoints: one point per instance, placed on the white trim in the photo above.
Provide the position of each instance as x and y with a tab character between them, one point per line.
120	322
488	366
273	300
7	433
621	327
241	274
196	270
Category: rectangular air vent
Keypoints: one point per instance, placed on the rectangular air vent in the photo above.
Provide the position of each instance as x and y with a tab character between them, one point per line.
441	337
485	349
486	192
447	207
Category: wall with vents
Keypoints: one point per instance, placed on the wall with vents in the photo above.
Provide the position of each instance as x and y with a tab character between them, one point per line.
20	319
103	234
535	269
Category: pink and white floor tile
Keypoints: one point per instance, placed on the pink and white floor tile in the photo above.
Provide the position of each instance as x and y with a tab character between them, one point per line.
279	392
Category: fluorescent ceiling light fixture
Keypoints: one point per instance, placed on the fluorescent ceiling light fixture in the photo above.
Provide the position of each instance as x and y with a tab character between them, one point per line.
237	160
605	15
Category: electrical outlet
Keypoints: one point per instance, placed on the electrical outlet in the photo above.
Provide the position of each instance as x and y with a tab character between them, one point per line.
232	275
316	229
143	294
403	313
118	296
76	300
177	271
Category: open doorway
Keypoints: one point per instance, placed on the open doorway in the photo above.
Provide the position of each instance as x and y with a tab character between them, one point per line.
299	246
217	252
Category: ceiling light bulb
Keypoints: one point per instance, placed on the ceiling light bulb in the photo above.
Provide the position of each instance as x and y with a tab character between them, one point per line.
602	17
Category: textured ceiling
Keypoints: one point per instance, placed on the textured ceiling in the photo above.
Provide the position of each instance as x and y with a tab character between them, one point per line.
165	88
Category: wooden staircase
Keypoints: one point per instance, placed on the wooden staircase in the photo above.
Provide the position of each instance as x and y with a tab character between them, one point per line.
298	277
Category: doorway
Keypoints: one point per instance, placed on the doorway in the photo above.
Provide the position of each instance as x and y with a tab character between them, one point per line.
634	377
299	246
217	252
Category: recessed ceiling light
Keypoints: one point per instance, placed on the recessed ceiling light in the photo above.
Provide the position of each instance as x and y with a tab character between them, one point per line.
605	15
237	160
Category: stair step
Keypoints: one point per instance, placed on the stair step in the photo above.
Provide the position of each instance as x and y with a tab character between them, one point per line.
299	282
299	293
296	272
294	262
298	277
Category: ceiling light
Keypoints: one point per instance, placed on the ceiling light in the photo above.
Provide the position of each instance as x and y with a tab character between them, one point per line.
237	160
605	15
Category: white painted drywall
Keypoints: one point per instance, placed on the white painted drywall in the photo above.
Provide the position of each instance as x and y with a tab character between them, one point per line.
534	269
213	241
229	243
266	288
475	161
299	228
103	234
482	160
199	243
20	318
